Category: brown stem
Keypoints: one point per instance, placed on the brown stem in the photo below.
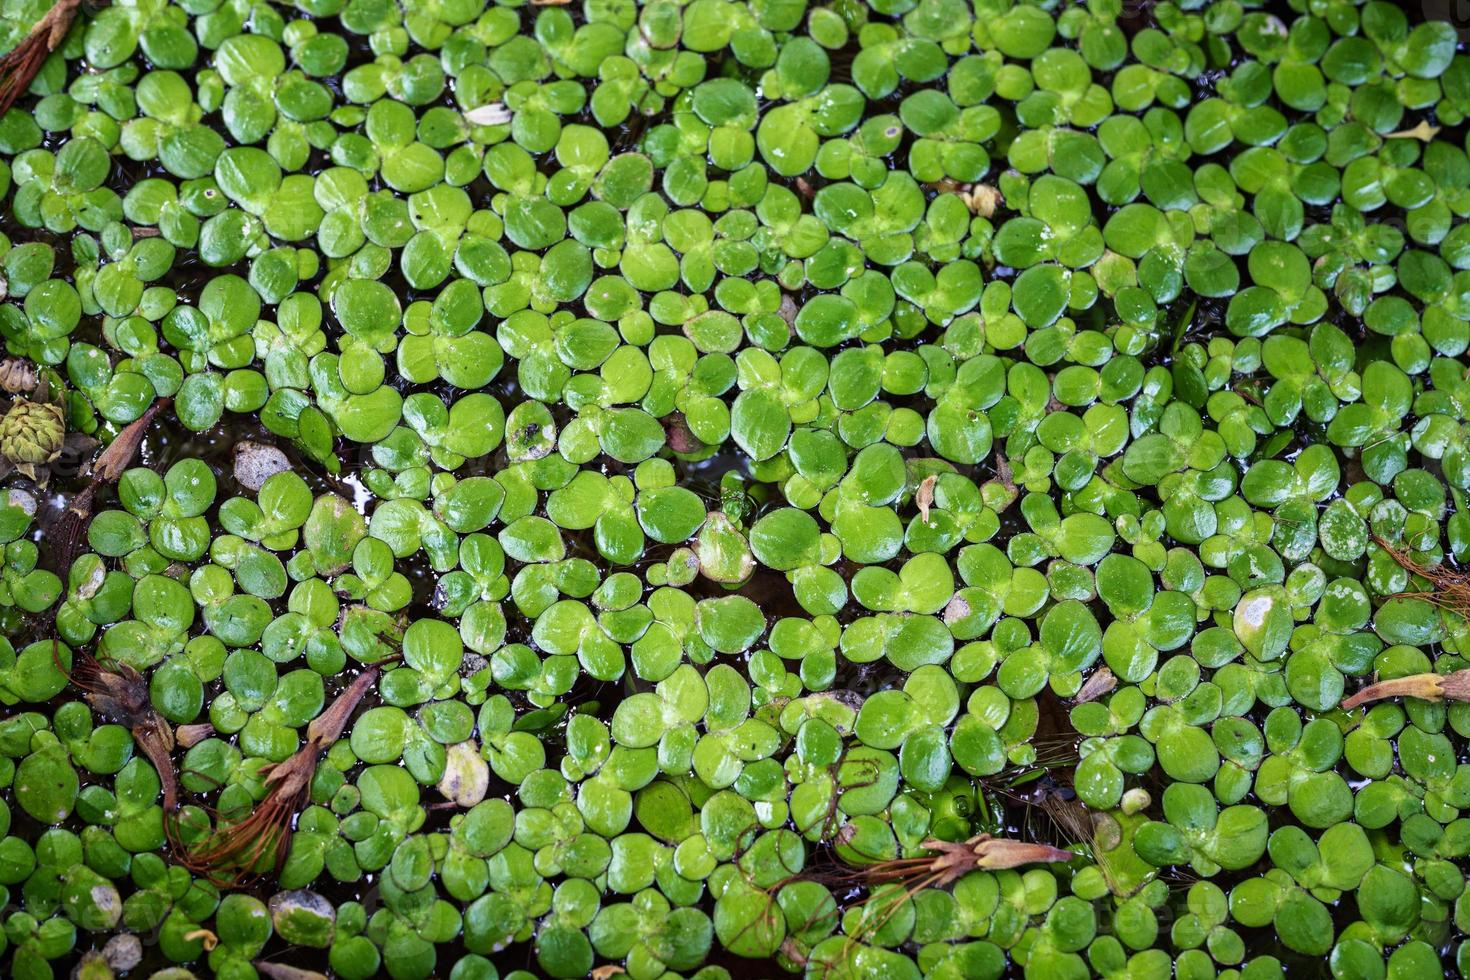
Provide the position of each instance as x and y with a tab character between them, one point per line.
875	917
1004	479
997	853
19	68
155	740
118	455
1427	687
327	727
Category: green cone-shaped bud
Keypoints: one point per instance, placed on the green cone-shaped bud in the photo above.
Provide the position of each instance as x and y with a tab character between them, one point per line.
31	433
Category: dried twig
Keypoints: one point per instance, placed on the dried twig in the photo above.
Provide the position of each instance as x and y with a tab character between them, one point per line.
19	68
282	971
110	464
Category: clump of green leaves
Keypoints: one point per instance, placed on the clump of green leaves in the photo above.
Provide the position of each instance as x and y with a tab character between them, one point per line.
879	489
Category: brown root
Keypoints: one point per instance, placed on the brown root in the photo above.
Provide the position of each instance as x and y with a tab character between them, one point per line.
260	842
66	532
110	464
896	881
1054	753
118	692
998	853
1070	817
788	310
953	860
19	68
1449	587
1427	687
243	851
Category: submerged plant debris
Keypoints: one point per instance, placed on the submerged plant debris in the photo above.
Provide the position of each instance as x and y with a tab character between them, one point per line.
704	489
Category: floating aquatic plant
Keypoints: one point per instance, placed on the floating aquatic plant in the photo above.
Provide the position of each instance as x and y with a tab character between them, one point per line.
259	842
882	489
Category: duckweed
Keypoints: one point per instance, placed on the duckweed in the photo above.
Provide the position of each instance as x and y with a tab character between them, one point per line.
904	488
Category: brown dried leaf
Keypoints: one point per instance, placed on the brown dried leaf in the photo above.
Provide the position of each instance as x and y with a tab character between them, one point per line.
924	498
1101	682
995	853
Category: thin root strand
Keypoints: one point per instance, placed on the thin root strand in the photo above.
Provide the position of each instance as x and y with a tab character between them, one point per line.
260	842
1449	587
